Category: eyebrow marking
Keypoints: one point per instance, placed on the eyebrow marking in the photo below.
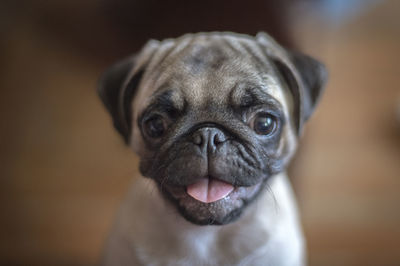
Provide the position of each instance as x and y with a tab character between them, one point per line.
250	97
169	102
163	101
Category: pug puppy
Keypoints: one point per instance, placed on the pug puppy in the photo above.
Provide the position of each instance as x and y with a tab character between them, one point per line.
215	118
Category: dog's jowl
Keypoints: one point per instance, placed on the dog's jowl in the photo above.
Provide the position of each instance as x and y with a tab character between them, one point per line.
215	119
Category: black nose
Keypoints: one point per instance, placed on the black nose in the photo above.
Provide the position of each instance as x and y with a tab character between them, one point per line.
208	138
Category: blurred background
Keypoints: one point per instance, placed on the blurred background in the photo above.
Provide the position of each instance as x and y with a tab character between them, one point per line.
64	170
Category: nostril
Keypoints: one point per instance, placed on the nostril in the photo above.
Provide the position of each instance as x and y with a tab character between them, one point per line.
197	139
219	138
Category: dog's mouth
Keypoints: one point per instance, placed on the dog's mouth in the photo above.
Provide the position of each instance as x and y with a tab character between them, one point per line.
211	201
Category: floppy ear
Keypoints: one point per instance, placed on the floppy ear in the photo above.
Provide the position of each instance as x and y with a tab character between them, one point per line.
307	87
112	92
304	75
313	74
118	86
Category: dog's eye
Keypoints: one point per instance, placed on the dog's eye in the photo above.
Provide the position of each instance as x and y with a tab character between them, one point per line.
155	126
264	124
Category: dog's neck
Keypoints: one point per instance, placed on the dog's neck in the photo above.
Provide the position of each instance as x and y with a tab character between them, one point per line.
159	231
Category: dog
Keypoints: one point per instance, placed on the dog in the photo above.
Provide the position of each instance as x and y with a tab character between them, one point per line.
215	119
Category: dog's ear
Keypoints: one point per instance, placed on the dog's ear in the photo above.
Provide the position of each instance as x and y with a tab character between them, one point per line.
313	75
304	75
110	88
118	85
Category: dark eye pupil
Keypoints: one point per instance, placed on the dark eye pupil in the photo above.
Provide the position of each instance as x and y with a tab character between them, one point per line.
264	125
155	127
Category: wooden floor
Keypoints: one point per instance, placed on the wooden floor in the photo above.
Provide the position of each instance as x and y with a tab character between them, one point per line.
64	169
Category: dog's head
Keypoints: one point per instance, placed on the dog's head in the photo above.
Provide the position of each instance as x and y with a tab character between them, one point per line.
212	116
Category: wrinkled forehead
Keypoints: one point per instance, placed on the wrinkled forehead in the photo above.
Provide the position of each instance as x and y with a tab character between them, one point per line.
205	69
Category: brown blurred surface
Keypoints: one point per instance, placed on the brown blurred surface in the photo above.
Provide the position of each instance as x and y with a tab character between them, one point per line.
64	170
350	171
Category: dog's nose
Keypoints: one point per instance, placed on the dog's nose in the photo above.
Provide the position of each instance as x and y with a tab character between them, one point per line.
208	138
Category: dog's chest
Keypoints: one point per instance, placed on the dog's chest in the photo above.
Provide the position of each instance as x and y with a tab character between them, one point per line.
150	233
205	246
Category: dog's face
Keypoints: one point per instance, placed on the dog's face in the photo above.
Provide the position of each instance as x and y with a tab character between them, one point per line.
212	116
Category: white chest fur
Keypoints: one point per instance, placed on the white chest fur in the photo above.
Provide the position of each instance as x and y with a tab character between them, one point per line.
149	231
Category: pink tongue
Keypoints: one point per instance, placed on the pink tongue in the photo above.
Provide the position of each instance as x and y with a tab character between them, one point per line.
209	190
